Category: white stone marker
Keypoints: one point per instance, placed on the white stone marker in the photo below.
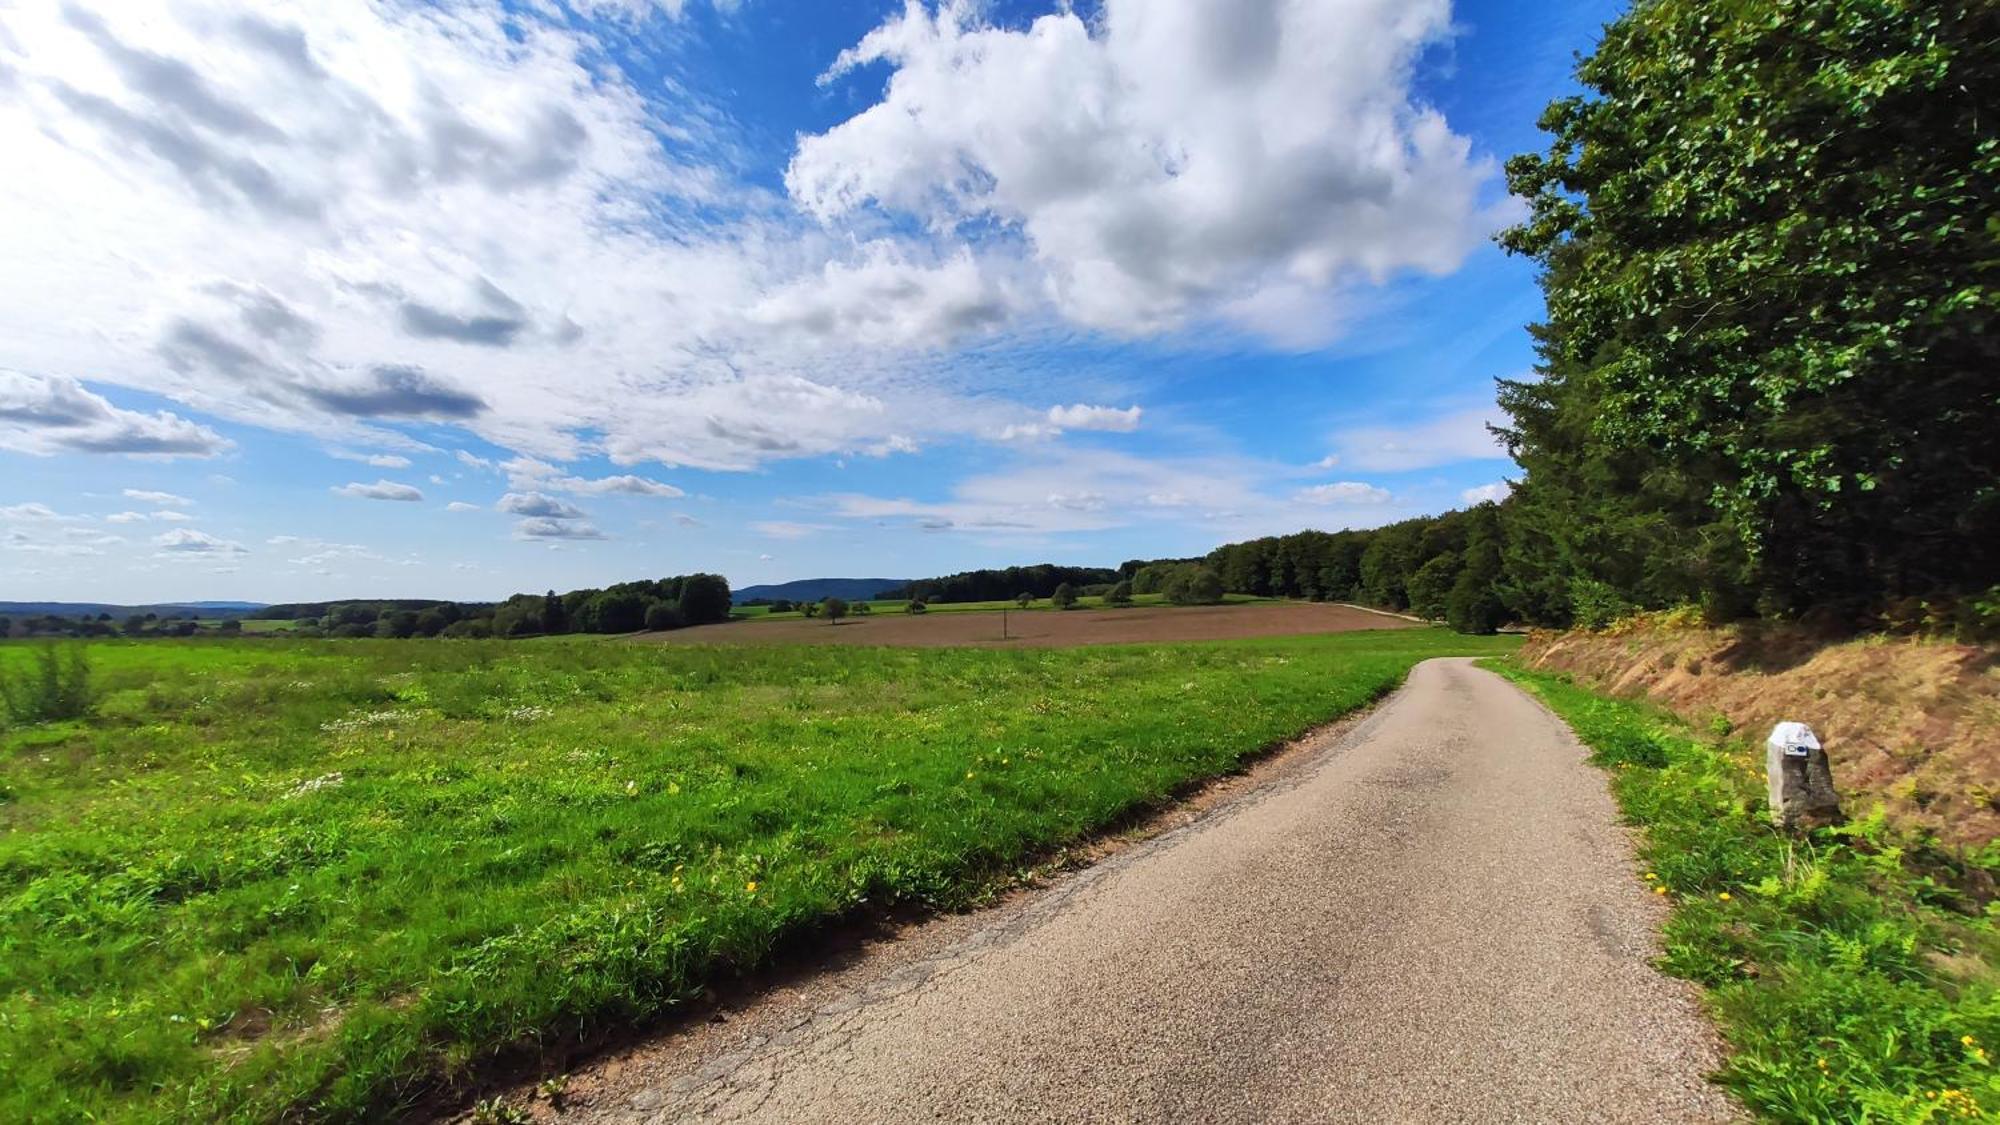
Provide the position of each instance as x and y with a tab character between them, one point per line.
1801	782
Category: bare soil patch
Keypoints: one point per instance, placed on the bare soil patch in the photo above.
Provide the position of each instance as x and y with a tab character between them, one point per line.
1047	628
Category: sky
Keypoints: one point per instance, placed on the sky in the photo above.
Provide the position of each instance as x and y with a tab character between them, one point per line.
459	299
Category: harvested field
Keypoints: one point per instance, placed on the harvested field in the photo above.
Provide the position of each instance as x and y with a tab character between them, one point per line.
1048	628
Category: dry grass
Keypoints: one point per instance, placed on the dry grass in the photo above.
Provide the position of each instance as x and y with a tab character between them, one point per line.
1913	724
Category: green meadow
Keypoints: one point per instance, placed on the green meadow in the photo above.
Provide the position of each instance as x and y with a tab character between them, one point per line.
274	877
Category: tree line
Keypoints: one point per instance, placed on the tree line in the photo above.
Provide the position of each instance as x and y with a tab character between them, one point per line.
627	607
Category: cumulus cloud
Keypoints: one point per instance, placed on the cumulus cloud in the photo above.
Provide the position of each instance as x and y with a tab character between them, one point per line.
1460	436
186	540
541	528
461	506
1235	158
338	219
1081	417
1346	492
627	484
539	504
1487	493
380	490
50	414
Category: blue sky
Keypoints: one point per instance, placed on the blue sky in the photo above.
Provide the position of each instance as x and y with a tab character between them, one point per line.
463	299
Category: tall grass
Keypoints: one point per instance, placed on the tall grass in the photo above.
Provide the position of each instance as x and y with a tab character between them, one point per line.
55	685
1855	972
293	878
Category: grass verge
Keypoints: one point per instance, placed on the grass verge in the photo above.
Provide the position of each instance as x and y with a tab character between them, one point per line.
1854	972
283	878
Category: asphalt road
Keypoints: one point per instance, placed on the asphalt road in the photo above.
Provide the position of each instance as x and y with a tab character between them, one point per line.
1433	917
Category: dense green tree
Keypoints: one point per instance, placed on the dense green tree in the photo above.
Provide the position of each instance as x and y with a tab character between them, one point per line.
834	609
1064	596
1119	594
704	599
661	616
556	614
1432	583
1769	257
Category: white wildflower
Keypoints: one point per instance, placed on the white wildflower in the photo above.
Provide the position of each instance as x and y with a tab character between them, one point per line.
315	784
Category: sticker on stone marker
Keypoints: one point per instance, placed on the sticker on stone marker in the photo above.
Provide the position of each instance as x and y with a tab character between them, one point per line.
1797	739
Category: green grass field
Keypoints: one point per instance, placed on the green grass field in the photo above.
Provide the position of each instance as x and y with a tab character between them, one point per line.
278	878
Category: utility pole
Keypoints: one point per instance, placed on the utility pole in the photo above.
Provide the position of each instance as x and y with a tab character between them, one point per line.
1003	623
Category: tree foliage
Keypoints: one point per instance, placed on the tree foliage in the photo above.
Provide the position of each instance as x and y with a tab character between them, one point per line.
1769	251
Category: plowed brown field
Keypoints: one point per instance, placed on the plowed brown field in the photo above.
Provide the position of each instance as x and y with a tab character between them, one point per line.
1046	628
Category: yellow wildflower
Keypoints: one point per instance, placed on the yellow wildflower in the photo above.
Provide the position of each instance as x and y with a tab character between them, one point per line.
1724	896
750	887
1659	890
1650	876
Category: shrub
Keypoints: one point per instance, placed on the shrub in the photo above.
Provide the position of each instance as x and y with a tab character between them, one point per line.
1596	604
1472	606
1193	585
661	616
1120	594
915	605
1064	597
56	687
1024	599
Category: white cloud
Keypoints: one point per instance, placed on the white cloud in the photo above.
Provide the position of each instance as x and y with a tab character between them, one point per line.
164	514
1346	492
539	504
461	506
337	219
1178	158
1057	491
32	510
185	540
1461	436
1487	493
628	484
150	496
540	528
380	490
48	414
1081	417
377	460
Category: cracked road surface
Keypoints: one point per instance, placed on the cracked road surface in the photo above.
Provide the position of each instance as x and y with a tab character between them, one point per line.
1433	916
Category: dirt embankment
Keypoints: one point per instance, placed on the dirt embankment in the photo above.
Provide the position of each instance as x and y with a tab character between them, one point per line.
1913	724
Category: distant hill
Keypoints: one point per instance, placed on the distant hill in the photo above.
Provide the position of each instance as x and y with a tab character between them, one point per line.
92	609
814	589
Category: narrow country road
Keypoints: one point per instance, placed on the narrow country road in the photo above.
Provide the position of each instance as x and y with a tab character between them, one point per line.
1434	917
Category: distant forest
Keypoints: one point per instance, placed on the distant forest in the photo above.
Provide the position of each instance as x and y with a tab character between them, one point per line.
663	603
